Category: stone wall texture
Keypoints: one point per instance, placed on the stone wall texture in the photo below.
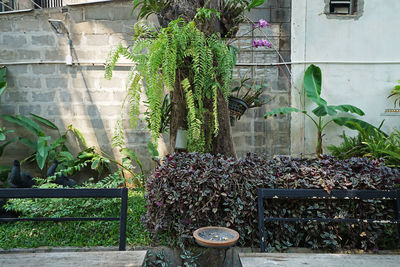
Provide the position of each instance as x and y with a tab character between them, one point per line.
40	82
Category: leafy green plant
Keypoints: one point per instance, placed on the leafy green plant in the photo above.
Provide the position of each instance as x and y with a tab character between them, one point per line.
157	60
190	190
159	259
373	144
3	131
148	7
250	92
75	234
165	114
236	7
312	85
396	93
44	149
189	258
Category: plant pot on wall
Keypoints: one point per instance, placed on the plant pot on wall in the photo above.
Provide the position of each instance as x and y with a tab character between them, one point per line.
237	107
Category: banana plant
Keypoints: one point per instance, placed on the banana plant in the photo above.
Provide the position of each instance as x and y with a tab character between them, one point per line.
324	114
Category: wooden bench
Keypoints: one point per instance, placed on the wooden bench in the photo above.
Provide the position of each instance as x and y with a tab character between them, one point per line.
264	193
73	193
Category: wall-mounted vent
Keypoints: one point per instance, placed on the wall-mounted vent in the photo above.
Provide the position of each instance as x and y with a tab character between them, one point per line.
342	7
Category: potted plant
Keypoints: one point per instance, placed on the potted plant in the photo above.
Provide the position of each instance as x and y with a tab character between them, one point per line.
396	93
245	96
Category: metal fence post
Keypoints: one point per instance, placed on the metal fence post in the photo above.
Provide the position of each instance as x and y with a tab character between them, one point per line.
122	223
261	227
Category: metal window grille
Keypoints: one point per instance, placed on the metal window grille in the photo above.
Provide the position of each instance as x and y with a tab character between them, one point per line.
12	5
7	5
48	3
342	7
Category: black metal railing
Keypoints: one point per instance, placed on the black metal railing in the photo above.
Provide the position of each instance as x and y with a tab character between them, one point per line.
264	193
73	193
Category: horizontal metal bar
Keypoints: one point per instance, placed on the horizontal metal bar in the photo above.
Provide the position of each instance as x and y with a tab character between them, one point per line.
322	194
65	219
60	193
269	219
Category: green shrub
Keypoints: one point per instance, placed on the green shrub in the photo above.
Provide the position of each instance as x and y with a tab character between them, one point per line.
373	144
192	190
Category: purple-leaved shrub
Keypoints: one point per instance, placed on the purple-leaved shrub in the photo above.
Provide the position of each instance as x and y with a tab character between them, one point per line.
192	190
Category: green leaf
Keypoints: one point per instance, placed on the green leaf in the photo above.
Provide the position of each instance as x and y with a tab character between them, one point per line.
284	110
3	83
152	149
44	121
312	84
129	153
356	124
59	142
3	146
3	86
3	71
78	135
255	3
41	157
323	110
25	122
28	142
4	168
390	153
42	147
234	51
350	108
95	164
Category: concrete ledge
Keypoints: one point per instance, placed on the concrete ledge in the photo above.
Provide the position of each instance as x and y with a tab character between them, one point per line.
88	259
306	259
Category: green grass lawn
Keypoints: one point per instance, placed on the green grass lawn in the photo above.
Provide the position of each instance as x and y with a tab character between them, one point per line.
77	234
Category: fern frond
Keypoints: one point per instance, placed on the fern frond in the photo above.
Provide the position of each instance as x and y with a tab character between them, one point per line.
112	59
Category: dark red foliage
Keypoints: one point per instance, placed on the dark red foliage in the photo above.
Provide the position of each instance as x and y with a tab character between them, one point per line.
192	190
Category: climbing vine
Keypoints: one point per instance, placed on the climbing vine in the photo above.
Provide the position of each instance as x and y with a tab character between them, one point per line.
207	64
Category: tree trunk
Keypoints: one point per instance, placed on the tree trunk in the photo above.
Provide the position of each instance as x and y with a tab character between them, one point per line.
223	142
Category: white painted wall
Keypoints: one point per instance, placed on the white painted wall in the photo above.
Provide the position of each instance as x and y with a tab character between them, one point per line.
359	59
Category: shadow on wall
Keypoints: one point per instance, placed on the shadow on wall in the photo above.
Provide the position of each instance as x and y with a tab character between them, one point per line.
40	82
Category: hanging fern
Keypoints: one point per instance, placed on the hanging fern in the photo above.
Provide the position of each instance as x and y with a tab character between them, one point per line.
209	65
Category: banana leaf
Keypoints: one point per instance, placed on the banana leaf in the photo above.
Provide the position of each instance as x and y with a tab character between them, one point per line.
284	110
323	110
312	84
356	124
350	109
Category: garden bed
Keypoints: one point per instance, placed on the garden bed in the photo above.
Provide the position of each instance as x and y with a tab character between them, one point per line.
194	190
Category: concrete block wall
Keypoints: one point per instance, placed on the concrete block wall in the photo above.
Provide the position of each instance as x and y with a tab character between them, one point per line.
252	132
41	83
